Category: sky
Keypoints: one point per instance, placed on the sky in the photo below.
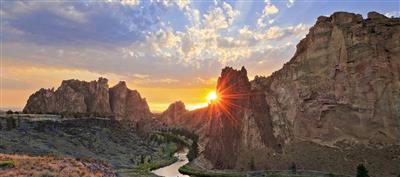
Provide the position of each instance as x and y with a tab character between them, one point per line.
167	50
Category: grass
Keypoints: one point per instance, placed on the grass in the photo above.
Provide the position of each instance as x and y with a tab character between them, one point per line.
6	163
189	170
46	166
144	169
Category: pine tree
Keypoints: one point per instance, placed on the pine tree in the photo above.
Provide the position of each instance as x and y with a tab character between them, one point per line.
362	171
293	168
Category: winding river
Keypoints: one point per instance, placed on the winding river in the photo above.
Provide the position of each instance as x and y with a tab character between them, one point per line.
172	170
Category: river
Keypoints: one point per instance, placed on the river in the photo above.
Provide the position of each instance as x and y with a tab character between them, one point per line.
172	170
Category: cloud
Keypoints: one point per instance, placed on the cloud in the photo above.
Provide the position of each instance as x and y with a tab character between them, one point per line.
269	9
129	47
78	23
393	14
130	2
290	3
183	3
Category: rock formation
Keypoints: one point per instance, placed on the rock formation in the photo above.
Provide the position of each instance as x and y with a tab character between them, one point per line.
342	85
239	122
74	96
128	104
337	101
173	112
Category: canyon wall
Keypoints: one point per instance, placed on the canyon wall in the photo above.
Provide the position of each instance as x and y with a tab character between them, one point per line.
342	85
337	101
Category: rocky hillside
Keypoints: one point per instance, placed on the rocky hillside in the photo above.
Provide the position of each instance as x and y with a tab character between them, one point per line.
103	139
342	85
74	96
23	165
335	102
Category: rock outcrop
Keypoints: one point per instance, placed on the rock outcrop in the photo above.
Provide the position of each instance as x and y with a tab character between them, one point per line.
342	85
337	100
239	122
173	113
74	96
128	104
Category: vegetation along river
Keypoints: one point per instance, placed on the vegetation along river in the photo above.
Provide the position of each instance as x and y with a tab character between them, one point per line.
172	170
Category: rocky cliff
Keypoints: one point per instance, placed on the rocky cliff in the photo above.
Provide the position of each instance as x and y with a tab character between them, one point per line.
337	101
128	104
74	96
342	85
173	113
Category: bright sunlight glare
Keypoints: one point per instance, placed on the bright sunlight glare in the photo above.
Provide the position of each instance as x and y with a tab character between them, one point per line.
212	96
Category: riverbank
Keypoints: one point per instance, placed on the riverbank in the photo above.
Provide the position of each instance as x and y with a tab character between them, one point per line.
191	169
173	169
147	165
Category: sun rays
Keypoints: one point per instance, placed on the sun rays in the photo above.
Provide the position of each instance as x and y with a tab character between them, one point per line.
231	98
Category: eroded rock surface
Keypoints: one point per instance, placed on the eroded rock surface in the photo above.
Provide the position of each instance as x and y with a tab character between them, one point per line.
173	112
337	101
74	96
341	85
128	104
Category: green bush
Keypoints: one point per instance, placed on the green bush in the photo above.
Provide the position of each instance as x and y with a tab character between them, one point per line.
6	164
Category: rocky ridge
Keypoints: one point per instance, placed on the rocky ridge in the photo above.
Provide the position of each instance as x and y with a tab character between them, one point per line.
74	96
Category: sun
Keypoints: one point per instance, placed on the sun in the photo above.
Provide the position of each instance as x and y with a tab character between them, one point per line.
212	96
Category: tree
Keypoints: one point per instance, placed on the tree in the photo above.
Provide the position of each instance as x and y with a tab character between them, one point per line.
9	112
362	171
142	160
252	164
293	168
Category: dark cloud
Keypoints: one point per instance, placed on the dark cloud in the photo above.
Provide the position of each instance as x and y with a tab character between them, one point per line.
78	23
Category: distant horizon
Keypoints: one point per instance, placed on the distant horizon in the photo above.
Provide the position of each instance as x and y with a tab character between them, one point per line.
168	51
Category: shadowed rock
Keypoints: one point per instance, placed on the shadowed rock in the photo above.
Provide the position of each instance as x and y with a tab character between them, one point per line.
74	96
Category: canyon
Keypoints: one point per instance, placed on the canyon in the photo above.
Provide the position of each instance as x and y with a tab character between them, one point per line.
337	101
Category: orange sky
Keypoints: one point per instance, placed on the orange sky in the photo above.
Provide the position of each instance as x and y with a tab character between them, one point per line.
20	80
26	79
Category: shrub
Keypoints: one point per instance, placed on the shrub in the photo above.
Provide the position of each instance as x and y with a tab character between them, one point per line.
293	168
9	112
6	163
362	171
252	164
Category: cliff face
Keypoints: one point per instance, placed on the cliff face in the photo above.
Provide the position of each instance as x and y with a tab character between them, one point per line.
72	96
342	85
337	100
76	96
173	113
128	104
238	123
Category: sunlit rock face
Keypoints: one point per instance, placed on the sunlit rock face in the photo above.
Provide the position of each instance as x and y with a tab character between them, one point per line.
173	113
127	104
335	102
342	85
74	96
